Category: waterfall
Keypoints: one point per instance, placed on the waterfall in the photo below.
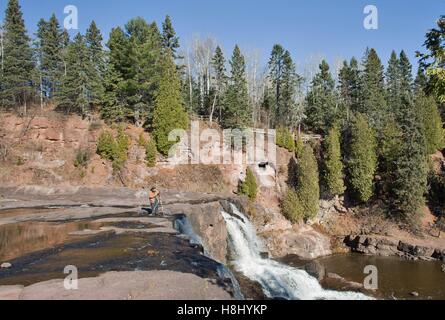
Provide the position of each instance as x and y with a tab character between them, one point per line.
183	225
277	280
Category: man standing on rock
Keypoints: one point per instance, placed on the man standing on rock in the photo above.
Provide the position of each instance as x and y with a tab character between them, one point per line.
155	197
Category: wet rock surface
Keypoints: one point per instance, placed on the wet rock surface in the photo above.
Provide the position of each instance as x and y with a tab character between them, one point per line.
137	285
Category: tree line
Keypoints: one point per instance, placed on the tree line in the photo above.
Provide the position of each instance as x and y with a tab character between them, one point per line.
379	123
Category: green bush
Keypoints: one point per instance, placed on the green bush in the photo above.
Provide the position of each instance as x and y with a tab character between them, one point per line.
114	150
82	158
285	139
291	206
106	145
308	188
362	161
249	187
333	166
150	151
302	199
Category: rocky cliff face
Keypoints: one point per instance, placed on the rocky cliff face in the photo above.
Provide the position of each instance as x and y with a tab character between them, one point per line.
389	246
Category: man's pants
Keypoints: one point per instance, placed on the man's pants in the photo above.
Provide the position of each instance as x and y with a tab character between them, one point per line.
155	206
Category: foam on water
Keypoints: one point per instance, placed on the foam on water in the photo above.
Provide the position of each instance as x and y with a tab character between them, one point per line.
278	280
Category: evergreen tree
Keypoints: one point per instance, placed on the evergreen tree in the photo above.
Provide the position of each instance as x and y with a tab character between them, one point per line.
390	148
18	63
219	68
114	107
238	113
421	81
169	113
96	53
119	52
276	65
136	56
349	86
432	122
307	183
361	161
373	103
393	83
321	99
288	112
285	80
291	206
434	61
411	173
169	39
333	166
51	44
406	75
77	84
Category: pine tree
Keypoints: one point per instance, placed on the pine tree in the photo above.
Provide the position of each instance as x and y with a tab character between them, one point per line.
219	68
349	87
432	122
421	81
361	159
291	206
77	84
307	184
119	52
333	166
393	83
50	47
411	173
434	61
18	63
169	39
321	99
285	80
114	107
238	113
169	113
96	54
288	114
373	103
136	55
276	65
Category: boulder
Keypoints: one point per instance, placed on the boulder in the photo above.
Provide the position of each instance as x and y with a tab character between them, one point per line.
315	269
6	265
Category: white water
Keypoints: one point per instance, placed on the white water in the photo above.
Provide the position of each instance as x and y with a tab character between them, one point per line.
278	280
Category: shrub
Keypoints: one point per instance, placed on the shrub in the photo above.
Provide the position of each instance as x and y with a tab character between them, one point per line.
291	206
142	141
285	139
362	162
82	158
114	150
308	188
302	199
249	187
333	165
106	145
150	151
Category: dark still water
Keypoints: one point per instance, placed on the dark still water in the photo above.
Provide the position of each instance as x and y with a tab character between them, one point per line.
397	278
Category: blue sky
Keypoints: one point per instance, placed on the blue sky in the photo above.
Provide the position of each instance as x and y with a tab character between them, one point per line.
332	29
